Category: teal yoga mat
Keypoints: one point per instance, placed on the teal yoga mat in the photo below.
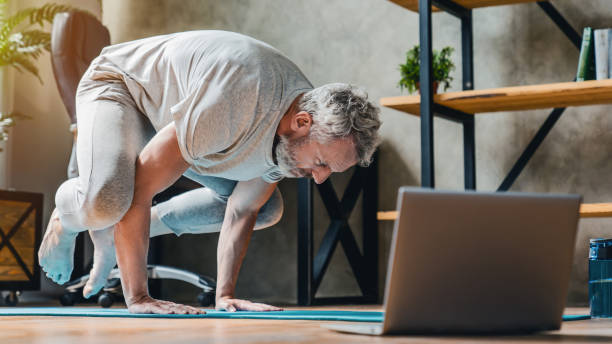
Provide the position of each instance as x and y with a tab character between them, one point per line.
355	316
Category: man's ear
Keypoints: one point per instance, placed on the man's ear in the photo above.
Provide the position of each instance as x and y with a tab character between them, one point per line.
301	123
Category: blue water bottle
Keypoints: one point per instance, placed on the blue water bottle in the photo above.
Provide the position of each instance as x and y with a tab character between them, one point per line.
600	278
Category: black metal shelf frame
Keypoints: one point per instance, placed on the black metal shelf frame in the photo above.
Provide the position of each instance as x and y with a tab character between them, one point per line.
429	108
364	265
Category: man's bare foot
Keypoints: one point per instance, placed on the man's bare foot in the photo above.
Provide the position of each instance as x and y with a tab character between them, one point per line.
56	253
104	260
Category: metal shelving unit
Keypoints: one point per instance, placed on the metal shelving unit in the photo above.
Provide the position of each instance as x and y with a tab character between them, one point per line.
451	111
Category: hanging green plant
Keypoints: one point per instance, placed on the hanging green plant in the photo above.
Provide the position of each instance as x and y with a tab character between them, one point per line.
442	66
21	42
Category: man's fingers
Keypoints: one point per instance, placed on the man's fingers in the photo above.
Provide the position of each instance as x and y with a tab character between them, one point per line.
175	308
257	307
194	310
268	307
232	305
164	307
261	307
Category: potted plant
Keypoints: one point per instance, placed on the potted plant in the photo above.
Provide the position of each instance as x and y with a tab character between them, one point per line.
442	66
22	43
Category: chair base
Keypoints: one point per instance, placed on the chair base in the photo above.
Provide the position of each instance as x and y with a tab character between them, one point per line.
112	290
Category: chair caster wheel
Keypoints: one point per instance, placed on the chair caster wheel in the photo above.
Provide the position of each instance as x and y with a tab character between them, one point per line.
206	299
68	299
106	300
12	299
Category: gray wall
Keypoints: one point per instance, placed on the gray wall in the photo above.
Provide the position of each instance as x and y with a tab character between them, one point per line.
362	42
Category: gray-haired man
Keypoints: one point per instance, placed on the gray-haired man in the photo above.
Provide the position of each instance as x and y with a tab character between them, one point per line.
223	109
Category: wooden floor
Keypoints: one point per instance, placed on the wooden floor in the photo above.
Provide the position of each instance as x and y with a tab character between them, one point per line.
51	330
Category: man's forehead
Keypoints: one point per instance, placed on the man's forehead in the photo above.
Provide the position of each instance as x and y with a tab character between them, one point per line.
339	154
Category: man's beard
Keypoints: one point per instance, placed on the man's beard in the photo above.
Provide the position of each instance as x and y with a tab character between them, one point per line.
285	156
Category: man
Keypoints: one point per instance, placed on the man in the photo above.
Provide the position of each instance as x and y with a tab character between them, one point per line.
223	109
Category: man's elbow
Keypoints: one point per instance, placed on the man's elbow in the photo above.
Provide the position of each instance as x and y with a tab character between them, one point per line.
240	210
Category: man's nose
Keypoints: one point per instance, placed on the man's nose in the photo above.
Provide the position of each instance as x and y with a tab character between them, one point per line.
320	175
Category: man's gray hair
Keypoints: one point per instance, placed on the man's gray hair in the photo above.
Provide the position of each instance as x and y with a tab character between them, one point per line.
342	110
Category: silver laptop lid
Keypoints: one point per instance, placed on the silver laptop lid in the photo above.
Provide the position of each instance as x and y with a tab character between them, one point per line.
479	262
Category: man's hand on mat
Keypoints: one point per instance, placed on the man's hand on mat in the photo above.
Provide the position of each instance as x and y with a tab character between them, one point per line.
149	305
232	305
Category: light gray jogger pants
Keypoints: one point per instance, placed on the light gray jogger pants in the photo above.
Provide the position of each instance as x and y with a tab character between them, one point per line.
111	133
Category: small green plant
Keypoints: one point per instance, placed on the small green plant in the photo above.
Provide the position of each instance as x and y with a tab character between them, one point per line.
442	66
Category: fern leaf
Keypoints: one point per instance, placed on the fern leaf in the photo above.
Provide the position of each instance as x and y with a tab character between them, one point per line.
32	40
21	49
47	12
35	37
40	15
12	22
3	9
27	64
7	55
8	119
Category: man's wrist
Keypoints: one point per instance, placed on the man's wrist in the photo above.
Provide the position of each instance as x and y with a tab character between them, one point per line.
138	298
221	296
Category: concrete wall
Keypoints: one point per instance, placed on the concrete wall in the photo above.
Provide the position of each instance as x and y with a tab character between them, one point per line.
362	42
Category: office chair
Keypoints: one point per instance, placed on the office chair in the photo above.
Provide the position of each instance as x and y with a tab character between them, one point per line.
76	39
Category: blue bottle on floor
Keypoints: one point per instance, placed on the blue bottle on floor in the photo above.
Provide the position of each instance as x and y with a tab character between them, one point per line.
600	278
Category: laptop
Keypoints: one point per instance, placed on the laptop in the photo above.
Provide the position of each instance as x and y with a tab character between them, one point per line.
476	262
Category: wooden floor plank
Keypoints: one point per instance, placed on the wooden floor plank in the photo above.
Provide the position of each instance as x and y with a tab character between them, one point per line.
52	330
515	98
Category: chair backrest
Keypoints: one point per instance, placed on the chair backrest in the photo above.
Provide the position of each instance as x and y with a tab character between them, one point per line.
76	39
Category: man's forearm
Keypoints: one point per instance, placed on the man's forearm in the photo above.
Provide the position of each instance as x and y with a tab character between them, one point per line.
132	244
233	243
158	165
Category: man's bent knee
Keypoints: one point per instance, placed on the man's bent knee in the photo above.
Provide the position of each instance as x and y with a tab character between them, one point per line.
106	206
271	212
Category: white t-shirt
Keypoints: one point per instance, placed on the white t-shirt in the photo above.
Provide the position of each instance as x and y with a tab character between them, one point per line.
226	93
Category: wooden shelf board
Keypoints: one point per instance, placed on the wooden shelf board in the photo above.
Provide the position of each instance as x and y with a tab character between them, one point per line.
386	215
515	98
586	210
413	5
596	210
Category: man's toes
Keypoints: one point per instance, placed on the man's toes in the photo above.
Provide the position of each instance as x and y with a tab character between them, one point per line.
92	288
97	279
52	276
56	277
63	278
